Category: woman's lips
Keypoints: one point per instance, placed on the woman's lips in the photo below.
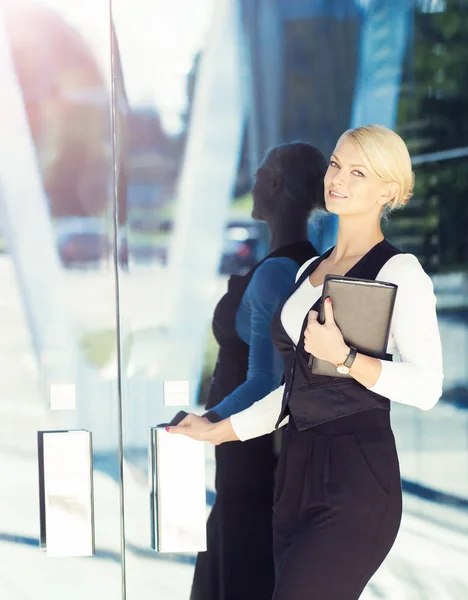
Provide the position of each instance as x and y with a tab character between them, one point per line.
335	194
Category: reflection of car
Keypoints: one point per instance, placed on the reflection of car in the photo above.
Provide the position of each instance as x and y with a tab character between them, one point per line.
241	247
82	241
239	254
83	248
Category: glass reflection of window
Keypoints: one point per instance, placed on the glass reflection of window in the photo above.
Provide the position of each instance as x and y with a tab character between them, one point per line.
432	107
433	226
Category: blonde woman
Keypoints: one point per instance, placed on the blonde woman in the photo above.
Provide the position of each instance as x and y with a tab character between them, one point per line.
337	505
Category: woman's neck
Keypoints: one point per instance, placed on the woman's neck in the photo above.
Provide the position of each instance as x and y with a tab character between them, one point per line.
287	229
355	239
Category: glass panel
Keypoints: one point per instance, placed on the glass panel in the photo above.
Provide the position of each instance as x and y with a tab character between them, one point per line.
434	226
164	191
187	79
58	345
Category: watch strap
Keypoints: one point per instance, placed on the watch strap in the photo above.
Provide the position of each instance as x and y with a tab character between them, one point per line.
350	358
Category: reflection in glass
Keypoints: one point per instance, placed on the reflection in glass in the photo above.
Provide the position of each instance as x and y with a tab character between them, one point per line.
58	343
434	228
179	136
310	71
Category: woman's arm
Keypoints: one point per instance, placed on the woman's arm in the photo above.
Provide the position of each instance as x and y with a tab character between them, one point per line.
415	380
269	286
255	421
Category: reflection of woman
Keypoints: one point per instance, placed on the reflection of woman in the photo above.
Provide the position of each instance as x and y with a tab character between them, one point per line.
338	496
239	561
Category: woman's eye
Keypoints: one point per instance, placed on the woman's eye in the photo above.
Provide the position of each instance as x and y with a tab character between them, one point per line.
333	163
358	173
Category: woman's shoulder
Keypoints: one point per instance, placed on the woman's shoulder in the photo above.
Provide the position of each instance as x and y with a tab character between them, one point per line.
274	271
303	267
405	270
403	262
271	281
275	265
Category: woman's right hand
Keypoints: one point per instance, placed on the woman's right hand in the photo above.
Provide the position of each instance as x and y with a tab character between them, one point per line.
201	429
192	426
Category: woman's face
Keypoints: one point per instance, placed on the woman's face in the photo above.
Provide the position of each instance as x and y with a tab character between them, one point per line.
350	188
266	185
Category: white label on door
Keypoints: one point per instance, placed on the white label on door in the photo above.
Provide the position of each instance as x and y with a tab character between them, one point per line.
62	396
176	393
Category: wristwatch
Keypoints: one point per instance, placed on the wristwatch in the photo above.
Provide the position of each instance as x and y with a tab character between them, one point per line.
345	367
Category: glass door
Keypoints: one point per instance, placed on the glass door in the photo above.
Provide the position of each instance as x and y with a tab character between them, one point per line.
60	510
179	127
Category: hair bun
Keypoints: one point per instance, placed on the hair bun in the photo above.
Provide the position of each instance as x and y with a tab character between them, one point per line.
409	193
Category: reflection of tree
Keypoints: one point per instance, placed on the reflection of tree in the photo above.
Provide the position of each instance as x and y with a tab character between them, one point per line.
432	118
436	105
68	108
445	188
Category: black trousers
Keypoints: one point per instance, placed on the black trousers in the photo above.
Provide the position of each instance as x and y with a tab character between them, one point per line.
337	507
238	563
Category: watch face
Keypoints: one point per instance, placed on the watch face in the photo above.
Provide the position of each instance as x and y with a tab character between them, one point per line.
342	369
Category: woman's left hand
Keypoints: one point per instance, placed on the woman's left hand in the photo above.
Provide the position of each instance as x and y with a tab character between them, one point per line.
325	341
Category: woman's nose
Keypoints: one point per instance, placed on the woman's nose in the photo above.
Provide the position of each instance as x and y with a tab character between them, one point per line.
338	178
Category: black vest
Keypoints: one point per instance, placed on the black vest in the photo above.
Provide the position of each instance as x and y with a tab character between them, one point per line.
316	399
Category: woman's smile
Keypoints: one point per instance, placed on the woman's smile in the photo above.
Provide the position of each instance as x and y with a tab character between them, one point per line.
335	194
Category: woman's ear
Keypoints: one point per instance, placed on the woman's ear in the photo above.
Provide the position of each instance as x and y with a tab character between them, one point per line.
274	182
390	192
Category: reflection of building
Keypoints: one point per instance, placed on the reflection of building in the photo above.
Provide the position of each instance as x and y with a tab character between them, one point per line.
432	116
319	85
304	64
321	67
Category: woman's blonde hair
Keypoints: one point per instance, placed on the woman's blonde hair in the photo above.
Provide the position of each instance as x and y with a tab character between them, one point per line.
385	154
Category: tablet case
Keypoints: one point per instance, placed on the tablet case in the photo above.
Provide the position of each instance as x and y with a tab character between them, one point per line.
363	311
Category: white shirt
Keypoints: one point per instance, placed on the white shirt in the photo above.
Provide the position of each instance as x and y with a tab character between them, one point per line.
415	379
